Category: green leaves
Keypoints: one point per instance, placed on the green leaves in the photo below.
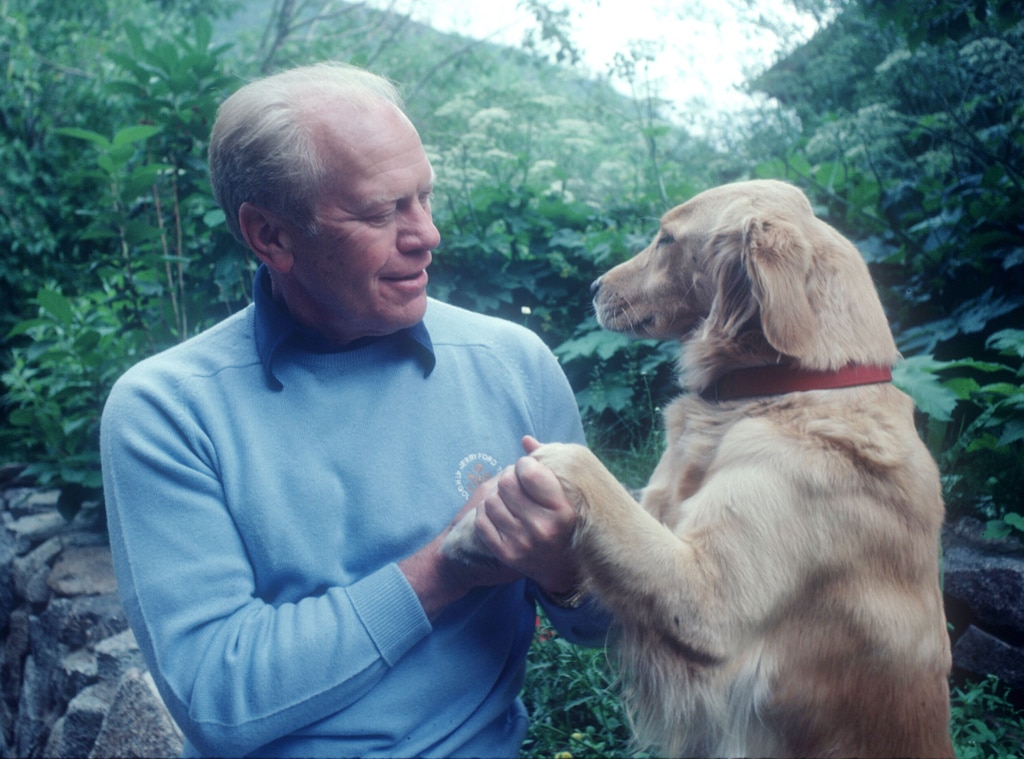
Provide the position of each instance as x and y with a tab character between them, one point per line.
984	723
573	704
917	377
56	385
114	154
911	143
56	305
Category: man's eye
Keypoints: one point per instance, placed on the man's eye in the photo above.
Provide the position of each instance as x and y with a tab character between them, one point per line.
380	219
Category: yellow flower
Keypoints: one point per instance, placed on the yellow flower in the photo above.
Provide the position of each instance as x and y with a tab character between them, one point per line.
563	755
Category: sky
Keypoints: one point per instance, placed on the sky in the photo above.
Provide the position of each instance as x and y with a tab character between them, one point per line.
702	48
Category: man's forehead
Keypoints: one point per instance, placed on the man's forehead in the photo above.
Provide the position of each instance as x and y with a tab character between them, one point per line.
390	193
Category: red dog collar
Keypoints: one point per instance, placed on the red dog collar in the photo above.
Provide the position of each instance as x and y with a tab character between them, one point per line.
776	380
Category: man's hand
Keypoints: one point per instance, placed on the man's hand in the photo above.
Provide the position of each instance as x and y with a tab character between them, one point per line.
527	522
524	518
439	579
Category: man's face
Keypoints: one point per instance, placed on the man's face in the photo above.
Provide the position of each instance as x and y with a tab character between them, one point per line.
365	273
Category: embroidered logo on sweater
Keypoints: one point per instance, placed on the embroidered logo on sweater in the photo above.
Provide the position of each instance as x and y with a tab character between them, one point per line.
474	470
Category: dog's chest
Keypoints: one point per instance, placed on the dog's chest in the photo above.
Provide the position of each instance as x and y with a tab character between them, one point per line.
694	435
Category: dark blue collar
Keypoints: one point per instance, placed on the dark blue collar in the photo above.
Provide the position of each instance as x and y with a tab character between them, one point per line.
274	327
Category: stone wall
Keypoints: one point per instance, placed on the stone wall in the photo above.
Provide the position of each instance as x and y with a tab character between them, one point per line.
72	680
73	683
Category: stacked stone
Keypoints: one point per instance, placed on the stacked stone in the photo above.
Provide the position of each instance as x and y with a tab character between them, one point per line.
72	680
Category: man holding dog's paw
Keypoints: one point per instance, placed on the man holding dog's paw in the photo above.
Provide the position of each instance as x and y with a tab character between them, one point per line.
278	487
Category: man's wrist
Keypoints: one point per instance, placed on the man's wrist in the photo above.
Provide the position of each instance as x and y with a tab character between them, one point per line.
434	579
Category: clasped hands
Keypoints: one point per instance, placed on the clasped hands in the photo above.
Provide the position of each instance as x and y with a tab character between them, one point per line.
522	524
519	523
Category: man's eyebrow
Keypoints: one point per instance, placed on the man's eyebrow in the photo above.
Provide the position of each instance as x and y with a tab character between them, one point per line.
368	204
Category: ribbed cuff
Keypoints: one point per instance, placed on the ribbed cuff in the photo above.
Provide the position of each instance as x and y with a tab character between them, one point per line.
390	611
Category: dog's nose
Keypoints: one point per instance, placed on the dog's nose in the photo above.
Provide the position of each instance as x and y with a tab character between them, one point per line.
594	287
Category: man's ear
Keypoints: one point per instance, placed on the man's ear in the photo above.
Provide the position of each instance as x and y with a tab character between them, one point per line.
268	236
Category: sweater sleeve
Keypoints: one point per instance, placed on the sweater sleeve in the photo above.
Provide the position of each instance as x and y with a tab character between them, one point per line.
235	671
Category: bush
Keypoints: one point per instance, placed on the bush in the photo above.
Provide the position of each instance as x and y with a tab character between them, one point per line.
57	384
984	723
569	693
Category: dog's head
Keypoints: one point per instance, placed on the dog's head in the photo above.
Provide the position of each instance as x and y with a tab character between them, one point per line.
744	275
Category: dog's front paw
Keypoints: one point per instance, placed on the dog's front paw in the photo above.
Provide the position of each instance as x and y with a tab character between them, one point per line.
572	463
562	456
586	481
463	544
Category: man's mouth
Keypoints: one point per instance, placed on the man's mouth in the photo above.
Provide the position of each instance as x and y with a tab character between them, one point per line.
416	279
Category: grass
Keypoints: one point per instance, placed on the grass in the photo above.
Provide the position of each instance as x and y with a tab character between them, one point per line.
985	724
573	704
575	712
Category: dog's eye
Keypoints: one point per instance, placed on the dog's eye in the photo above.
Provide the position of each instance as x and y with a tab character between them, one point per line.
666	239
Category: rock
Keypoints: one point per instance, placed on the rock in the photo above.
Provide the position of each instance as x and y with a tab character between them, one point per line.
7	589
65	646
84	570
35	712
32	570
24	501
83	721
29	531
137	724
980	653
11	475
116	655
16	647
991	586
983	582
55	743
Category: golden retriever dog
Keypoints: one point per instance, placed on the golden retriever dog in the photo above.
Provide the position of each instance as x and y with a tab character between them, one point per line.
776	591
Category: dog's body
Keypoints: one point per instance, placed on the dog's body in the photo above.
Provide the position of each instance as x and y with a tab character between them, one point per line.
778	592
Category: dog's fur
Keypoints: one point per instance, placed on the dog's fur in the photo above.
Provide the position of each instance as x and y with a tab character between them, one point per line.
778	592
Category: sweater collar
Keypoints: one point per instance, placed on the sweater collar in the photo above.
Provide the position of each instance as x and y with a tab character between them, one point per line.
274	327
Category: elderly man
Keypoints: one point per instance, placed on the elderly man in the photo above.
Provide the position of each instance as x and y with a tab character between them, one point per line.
278	487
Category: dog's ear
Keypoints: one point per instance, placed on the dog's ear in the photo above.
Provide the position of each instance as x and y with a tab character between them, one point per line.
777	256
733	304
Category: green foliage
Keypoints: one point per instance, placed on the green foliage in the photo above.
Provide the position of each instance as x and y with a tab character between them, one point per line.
983	469
55	62
1010	524
532	200
625	384
57	385
155	263
153	235
570	696
984	723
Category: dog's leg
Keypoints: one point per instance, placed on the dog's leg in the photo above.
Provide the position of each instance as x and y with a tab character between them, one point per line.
663	591
634	560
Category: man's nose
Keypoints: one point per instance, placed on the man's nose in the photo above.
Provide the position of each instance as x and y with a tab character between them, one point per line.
418	231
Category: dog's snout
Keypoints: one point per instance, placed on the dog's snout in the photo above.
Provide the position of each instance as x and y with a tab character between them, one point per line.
594	287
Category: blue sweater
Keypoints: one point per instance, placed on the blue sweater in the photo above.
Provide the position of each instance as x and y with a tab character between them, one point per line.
257	511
